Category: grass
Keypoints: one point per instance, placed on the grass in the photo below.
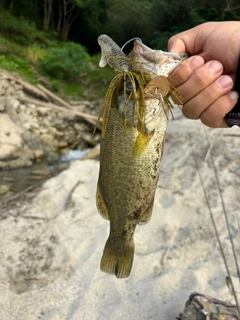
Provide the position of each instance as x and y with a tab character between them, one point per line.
17	65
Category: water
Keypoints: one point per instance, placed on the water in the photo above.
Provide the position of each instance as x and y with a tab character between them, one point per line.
19	179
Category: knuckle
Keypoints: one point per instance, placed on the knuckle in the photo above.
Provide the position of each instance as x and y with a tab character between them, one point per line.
199	78
210	122
214	115
189	112
179	75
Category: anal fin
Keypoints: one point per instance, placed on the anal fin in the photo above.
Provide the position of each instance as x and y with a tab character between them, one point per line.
101	206
146	215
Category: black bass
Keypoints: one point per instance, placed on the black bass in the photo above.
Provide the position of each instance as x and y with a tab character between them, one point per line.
135	117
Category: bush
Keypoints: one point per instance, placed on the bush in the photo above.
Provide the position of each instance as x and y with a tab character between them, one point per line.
66	63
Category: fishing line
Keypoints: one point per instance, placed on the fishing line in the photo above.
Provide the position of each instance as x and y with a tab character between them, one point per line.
136	38
213	220
224	211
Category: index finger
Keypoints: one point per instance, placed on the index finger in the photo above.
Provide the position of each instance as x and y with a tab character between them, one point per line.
185	70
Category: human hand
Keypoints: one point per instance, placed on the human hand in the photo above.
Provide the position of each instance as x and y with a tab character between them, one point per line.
205	81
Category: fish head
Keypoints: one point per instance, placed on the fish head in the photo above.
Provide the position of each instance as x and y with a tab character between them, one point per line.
157	61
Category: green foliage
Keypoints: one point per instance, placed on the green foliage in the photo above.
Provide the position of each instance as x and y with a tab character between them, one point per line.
125	21
92	85
34	54
9	47
56	85
23	8
174	16
16	64
18	29
74	90
160	40
96	82
66	63
25	48
22	31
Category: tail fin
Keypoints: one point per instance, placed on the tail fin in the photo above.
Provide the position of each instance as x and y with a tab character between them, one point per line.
117	261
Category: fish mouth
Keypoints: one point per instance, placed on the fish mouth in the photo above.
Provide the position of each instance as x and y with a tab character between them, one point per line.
141	48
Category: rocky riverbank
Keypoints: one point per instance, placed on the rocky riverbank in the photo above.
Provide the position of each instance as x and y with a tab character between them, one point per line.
52	242
36	125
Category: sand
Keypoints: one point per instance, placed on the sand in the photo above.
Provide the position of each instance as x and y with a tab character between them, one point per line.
51	249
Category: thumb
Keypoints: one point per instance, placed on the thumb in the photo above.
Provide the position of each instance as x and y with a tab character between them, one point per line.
176	44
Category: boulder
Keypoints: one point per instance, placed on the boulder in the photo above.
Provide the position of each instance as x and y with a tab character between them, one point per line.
13	150
8	151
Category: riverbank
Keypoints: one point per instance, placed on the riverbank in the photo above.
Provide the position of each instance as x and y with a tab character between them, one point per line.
52	246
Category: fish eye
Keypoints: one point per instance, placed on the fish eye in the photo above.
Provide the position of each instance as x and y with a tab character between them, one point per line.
129	86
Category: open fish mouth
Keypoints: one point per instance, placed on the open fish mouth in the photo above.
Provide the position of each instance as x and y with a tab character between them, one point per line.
158	61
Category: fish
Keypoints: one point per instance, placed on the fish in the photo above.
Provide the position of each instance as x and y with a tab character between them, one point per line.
134	121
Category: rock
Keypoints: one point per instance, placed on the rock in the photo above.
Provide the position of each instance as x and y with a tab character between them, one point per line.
11	106
10	133
35	125
78	126
4	189
22	157
22	107
39	154
53	157
41	171
9	91
18	87
13	102
2	103
43	130
13	150
32	140
37	130
64	150
88	137
32	106
8	152
47	139
70	136
3	85
45	123
27	126
42	111
62	144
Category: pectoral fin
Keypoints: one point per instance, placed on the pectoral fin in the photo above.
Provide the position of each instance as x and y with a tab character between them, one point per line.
146	215
101	206
141	143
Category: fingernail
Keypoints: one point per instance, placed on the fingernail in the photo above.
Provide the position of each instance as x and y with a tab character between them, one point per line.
196	62
215	67
233	95
224	82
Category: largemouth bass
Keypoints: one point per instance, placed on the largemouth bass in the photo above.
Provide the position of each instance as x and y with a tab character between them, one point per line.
135	117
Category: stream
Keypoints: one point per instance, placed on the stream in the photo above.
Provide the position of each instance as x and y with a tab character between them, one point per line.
19	179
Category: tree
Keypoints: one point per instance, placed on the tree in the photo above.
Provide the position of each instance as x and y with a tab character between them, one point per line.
47	13
231	10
